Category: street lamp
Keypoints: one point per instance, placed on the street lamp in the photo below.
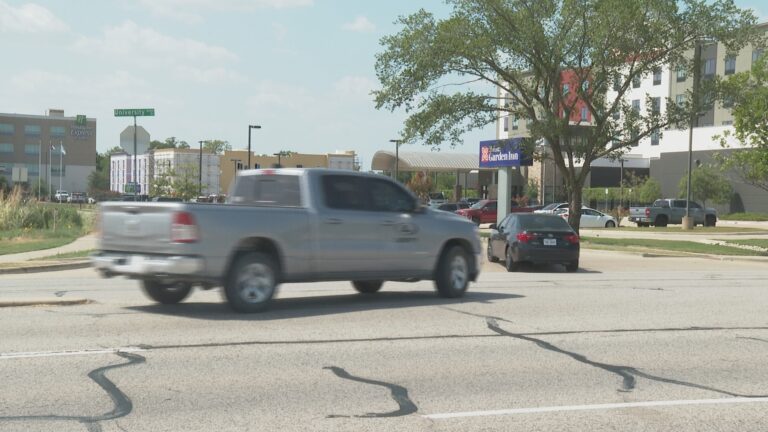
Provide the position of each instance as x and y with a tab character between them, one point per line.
279	154
397	155
249	142
200	172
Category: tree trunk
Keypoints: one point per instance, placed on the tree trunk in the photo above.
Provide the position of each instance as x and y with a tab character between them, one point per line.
574	199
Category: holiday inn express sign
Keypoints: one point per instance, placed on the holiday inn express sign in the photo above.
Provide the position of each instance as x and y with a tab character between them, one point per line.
503	153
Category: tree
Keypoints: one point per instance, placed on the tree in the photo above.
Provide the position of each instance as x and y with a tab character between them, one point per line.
421	185
531	49
649	191
707	184
217	146
98	179
170	142
748	91
531	190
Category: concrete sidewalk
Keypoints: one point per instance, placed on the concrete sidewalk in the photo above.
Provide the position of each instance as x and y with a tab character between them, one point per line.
81	244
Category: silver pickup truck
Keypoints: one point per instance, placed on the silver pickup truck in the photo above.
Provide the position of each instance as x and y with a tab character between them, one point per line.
287	225
671	211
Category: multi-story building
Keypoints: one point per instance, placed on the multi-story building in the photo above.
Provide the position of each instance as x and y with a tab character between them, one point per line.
157	163
58	150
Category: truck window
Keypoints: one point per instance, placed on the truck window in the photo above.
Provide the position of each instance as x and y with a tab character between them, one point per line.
678	203
268	190
345	192
388	197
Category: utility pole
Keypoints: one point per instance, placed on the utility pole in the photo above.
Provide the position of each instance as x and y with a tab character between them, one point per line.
249	143
687	221
200	172
397	156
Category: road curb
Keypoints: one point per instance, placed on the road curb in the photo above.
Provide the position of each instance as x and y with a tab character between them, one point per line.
45	268
44	302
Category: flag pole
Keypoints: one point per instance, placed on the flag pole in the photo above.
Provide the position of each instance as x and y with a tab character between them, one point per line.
61	158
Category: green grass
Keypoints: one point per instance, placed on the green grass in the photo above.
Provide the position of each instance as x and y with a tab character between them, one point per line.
759	217
749	242
68	255
679	246
18	241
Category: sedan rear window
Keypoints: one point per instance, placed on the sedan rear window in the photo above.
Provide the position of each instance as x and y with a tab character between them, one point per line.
543	222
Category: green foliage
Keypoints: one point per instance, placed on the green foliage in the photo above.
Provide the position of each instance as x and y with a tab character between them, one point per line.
531	190
20	213
749	93
4	187
219	147
431	68
707	184
182	182
170	142
760	217
649	191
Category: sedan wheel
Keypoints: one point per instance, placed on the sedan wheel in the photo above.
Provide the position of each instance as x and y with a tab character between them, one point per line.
610	224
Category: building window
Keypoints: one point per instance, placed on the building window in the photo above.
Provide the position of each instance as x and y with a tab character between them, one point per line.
755	55
655	137
302	166
566	89
656	105
636	106
506	123
633	139
617	82
636	81
6	148
256	166
7	129
32	130
730	65
728	102
515	123
657	76
680	100
31	149
33	170
58	131
709	67
681	73
584	113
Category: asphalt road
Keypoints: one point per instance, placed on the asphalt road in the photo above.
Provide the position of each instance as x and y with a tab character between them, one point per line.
626	344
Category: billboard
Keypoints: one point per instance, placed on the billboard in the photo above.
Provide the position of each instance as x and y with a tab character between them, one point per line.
503	153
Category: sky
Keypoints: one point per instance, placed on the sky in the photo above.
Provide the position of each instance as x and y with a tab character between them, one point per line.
301	69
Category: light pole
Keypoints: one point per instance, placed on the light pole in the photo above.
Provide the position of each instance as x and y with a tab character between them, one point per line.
397	156
234	167
687	221
621	184
279	154
200	172
249	142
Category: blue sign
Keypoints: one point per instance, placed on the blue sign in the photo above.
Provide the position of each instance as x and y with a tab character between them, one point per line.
503	153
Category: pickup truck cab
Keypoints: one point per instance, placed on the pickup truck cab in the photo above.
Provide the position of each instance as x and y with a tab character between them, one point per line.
287	225
671	211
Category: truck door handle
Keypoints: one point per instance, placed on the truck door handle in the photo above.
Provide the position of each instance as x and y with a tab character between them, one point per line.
333	221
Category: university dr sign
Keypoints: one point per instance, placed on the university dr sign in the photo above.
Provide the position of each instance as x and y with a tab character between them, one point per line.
503	153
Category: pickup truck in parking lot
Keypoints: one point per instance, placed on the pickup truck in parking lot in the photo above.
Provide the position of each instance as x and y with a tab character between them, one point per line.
671	211
287	225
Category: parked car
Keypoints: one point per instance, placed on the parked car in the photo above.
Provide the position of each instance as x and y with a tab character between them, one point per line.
551	208
76	198
590	218
452	207
671	211
533	238
485	211
91	200
61	196
166	199
288	225
470	201
436	199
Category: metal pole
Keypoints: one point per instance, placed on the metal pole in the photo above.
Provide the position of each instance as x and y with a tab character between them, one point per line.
200	172
135	166
61	157
621	184
39	167
397	156
249	147
50	169
694	123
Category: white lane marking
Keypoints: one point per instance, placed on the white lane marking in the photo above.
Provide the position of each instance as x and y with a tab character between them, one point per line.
20	355
737	400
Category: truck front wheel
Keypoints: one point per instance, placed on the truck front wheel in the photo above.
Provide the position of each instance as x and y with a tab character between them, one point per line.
452	278
251	283
166	292
367	287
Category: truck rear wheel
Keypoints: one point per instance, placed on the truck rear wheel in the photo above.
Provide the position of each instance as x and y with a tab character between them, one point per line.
710	221
367	287
166	292
251	283
661	221
452	278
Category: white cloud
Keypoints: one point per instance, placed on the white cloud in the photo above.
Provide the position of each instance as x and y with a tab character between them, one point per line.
40	82
28	18
209	75
272	98
280	31
192	11
136	44
355	86
360	24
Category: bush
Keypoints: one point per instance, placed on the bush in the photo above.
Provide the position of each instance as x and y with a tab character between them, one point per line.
19	212
760	217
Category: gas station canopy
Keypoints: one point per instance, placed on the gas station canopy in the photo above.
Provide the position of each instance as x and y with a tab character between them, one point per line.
384	160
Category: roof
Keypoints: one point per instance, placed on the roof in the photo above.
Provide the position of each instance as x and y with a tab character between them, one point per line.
384	160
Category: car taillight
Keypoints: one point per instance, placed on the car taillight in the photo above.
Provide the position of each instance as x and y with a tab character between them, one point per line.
647	212
572	238
183	228
525	237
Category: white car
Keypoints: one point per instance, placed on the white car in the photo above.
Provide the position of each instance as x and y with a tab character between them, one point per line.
61	195
591	218
436	199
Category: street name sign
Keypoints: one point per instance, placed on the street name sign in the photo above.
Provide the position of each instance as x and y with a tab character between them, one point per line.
134	112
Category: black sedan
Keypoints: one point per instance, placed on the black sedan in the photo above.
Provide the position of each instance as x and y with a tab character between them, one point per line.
534	238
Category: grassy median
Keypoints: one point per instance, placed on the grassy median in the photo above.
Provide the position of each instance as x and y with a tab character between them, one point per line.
761	243
676	246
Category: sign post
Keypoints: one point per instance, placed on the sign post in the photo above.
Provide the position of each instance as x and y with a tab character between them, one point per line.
134	112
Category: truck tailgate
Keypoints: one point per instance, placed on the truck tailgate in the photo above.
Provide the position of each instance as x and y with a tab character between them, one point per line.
137	227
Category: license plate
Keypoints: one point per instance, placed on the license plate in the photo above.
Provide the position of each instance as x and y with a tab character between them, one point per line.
550	242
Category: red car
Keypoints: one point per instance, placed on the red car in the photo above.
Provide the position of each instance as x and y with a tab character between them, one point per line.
484	211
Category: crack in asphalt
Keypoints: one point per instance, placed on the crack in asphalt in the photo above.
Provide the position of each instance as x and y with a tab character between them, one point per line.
122	403
627	373
399	394
753	338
